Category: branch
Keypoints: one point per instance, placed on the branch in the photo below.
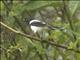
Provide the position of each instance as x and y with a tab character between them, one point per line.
37	39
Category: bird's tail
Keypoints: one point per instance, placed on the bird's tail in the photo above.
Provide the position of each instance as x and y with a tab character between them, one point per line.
55	28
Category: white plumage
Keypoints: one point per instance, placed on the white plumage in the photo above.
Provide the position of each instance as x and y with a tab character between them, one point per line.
36	21
36	29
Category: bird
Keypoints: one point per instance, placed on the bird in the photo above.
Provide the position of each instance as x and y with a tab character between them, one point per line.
38	26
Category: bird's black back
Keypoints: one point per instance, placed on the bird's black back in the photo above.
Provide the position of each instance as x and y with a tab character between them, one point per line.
38	24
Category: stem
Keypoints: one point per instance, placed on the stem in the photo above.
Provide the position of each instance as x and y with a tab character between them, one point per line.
68	18
37	39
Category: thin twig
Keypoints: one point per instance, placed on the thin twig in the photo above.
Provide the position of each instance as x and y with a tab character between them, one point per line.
68	18
37	39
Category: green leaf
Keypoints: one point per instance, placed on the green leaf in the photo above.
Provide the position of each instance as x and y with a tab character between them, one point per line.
73	44
2	6
73	5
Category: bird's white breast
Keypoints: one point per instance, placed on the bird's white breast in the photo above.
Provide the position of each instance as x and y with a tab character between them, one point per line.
35	29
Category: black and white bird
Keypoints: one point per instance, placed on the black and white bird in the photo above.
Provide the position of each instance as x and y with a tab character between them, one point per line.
37	26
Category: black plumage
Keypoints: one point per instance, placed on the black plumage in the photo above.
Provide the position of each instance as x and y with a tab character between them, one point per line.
38	24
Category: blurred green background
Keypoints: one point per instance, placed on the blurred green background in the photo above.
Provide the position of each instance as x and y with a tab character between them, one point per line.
63	13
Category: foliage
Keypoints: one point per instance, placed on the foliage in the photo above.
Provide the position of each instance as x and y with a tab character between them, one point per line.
16	47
